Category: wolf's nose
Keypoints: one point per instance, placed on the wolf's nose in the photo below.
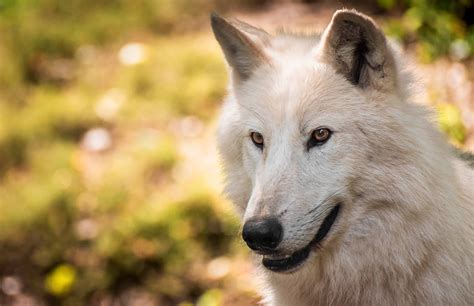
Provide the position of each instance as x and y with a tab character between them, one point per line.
262	234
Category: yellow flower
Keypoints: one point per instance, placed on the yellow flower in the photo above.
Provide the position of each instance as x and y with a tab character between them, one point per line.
60	280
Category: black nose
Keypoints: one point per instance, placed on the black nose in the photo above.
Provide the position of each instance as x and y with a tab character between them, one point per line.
262	234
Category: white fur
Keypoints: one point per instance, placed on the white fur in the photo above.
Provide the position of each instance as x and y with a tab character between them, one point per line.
405	233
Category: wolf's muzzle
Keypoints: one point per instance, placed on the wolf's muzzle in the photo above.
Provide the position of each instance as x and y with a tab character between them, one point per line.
293	261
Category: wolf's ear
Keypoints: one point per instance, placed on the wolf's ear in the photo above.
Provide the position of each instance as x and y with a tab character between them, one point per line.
357	49
241	43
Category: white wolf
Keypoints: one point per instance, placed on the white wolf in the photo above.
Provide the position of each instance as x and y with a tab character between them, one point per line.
348	193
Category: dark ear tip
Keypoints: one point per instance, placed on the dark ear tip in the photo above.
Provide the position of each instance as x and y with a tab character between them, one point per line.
213	15
349	13
216	18
352	16
218	23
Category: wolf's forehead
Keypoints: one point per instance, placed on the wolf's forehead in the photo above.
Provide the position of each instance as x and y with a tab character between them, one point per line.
295	44
297	91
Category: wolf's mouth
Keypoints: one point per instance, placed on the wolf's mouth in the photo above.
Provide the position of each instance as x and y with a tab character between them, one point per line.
291	262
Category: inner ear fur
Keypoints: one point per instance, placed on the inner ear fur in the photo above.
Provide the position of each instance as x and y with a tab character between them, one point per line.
358	50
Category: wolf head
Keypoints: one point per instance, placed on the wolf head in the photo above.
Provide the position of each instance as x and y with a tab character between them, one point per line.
315	136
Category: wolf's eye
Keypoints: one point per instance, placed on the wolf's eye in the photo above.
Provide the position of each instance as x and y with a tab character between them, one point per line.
257	139
319	137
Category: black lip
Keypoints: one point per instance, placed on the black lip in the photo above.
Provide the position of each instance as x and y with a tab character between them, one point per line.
298	257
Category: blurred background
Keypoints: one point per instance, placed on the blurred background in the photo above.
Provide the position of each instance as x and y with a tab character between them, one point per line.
109	178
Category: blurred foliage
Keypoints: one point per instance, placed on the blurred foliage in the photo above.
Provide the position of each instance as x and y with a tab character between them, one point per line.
441	27
100	101
55	29
89	209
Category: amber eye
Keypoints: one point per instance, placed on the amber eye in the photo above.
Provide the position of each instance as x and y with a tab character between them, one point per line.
319	137
257	139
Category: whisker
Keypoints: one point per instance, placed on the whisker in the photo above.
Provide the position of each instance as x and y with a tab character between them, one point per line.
322	212
327	199
286	208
